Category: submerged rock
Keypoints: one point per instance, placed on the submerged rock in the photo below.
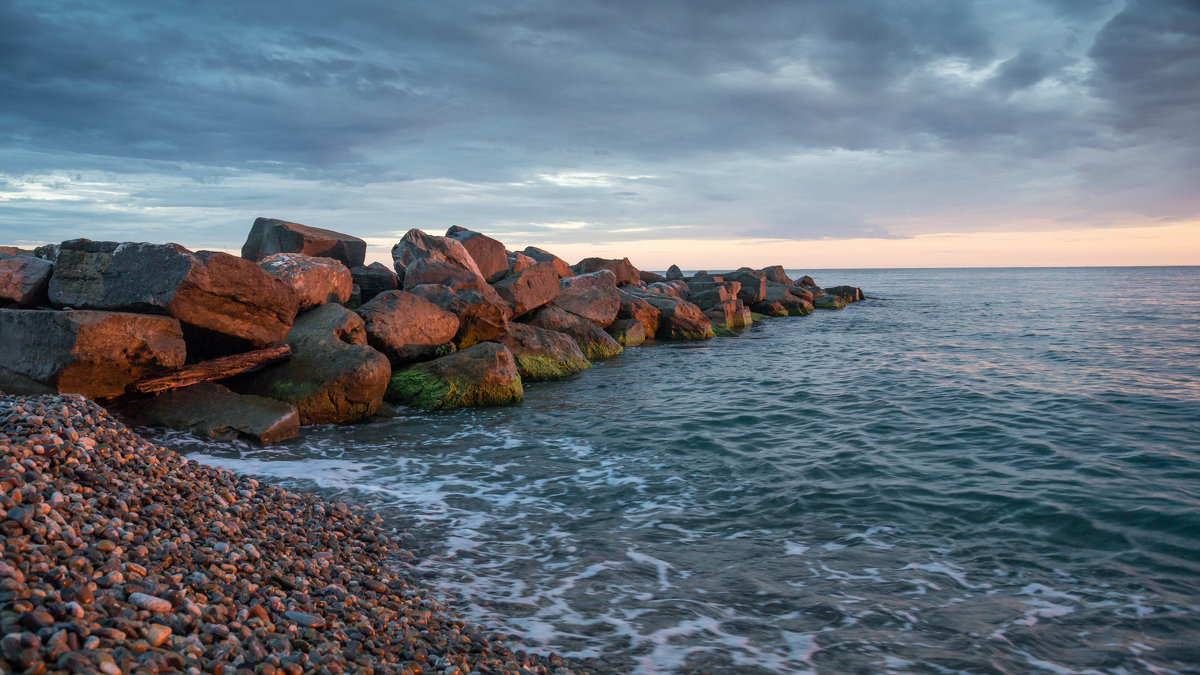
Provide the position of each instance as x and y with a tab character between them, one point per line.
483	375
214	411
543	354
627	332
592	340
269	236
315	280
97	354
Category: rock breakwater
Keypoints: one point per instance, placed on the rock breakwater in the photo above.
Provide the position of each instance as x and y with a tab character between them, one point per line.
122	557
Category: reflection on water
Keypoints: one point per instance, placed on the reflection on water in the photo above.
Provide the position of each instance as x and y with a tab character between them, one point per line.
980	471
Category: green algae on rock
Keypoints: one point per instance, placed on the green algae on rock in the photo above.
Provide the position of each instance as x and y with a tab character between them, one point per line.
483	375
543	354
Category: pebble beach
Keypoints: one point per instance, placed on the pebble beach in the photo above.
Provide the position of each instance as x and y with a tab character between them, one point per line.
123	557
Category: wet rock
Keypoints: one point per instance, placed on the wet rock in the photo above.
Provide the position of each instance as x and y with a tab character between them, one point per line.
543	354
807	282
592	296
624	271
592	340
374	279
847	293
779	301
530	288
407	327
627	332
482	375
305	619
97	354
754	285
24	280
827	301
269	236
332	376
713	294
489	255
216	295
481	316
728	316
214	411
542	255
315	280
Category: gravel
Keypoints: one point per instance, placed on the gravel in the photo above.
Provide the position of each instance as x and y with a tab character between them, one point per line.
123	557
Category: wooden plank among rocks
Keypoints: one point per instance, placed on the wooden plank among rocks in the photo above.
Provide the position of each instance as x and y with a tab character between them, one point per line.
215	369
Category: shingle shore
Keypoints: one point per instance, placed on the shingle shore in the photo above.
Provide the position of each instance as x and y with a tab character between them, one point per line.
122	557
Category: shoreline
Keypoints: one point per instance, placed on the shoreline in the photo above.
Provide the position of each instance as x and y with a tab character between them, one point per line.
125	557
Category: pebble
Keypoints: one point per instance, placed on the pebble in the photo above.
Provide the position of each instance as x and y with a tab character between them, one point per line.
117	556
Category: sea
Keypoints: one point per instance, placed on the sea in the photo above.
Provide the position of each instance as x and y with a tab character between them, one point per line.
972	471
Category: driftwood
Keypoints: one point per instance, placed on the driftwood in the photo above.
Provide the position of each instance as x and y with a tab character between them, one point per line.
215	369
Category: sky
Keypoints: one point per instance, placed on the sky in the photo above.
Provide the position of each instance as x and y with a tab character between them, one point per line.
914	133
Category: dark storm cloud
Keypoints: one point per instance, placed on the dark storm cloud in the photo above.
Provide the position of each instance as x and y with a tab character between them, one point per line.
714	99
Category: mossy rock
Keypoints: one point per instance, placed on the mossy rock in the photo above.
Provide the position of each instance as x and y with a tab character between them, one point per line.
543	354
535	367
483	375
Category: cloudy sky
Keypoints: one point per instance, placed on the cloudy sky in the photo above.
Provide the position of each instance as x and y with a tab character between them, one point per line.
907	133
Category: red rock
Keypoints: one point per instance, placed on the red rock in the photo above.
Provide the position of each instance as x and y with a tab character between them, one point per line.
640	310
269	236
678	319
541	255
481	316
315	280
529	289
624	271
489	255
592	340
592	296
543	354
627	332
416	245
406	327
24	279
97	354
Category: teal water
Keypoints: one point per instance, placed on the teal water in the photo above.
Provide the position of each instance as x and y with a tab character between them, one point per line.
975	471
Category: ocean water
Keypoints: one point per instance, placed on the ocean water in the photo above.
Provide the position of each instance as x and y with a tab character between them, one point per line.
974	471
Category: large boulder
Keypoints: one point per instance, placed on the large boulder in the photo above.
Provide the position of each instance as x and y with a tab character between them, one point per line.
754	285
592	340
543	354
677	319
624	271
442	273
374	279
674	273
530	288
269	236
14	250
225	303
592	296
214	411
640	310
714	294
807	282
677	289
728	316
97	354
315	280
542	255
482	375
650	277
798	291
827	301
777	274
406	327
417	245
482	316
24	280
332	376
489	255
627	332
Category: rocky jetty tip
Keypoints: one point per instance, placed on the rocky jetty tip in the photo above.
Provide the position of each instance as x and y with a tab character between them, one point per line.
122	557
298	331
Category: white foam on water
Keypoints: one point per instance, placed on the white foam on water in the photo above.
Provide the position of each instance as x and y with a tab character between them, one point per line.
792	548
660	565
947	570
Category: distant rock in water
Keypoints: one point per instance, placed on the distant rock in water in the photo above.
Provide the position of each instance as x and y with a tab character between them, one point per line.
269	236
